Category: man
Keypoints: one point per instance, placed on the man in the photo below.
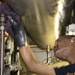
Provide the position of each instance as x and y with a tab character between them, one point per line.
27	54
65	50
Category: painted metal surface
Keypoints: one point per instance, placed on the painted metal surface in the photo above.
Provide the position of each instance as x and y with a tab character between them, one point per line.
44	20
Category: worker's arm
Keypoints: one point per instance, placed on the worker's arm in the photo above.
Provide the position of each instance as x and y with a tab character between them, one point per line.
32	64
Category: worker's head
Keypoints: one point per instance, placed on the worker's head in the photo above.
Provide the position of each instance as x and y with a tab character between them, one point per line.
65	48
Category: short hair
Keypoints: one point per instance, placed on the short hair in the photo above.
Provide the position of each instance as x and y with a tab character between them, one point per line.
65	37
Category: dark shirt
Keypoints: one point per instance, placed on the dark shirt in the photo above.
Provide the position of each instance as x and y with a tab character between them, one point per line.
8	11
66	70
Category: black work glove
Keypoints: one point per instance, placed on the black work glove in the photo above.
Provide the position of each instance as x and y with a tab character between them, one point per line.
18	31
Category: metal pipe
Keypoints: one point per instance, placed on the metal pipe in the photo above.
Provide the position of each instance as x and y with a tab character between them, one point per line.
2	24
48	53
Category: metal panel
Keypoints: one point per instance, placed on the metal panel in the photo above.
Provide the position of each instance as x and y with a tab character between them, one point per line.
44	20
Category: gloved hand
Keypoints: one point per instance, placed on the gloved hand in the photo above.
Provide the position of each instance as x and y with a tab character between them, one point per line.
18	30
13	22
